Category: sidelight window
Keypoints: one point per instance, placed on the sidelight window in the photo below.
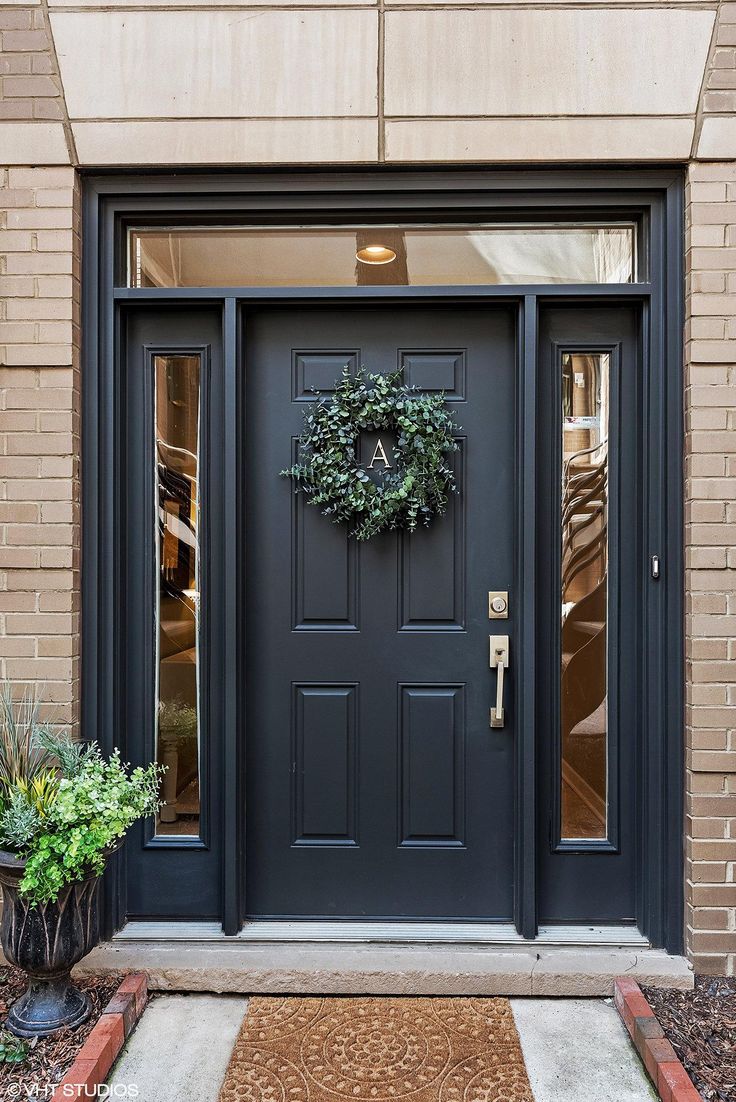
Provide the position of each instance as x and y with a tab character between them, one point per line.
456	255
177	503
584	593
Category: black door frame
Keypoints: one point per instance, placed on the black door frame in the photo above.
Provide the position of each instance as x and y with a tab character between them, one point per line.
653	198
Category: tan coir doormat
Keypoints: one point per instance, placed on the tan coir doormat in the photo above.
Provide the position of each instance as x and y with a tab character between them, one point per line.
416	1050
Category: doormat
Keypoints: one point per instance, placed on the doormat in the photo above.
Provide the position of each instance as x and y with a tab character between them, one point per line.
376	1049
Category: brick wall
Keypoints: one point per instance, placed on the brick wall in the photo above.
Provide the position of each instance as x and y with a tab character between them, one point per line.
711	566
39	433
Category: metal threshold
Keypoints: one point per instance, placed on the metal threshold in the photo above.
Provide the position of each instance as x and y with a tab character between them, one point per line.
405	933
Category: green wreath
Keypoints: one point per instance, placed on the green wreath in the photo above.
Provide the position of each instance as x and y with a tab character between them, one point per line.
417	487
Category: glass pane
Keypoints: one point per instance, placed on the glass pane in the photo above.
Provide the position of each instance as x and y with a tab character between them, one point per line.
584	722
177	382
381	255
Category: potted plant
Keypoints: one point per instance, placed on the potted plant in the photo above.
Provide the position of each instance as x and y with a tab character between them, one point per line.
64	808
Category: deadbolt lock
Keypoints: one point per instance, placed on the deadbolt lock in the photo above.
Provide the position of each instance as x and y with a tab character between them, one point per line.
498	605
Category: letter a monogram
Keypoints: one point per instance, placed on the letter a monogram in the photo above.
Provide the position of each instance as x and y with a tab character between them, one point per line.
379	456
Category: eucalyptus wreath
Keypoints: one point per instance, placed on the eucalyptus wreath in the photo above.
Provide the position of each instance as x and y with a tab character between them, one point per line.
330	475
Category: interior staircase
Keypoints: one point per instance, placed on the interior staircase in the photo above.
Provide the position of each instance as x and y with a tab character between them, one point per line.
584	642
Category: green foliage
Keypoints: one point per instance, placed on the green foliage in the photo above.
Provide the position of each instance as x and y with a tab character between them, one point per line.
68	752
13	1050
40	792
22	756
331	477
63	807
89	817
19	821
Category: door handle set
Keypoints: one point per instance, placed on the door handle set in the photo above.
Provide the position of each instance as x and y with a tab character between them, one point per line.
499	661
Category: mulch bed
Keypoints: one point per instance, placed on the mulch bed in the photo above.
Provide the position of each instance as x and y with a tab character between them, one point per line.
701	1027
50	1058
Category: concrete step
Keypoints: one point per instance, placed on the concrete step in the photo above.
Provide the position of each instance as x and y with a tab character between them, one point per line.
337	968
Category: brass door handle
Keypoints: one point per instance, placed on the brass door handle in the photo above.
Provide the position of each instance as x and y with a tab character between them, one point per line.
499	660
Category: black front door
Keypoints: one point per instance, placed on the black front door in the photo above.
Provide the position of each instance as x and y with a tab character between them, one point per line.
375	785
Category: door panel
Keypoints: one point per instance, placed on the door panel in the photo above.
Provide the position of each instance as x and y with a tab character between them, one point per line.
375	786
589	614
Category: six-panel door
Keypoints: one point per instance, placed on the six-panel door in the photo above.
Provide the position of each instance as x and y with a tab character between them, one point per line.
375	785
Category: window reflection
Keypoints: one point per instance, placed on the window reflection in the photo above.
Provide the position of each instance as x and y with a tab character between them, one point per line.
177	383
584	588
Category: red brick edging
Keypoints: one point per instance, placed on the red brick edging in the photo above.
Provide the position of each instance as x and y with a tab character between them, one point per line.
672	1082
102	1047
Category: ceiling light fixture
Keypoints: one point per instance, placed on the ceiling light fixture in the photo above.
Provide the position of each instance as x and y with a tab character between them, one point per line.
375	254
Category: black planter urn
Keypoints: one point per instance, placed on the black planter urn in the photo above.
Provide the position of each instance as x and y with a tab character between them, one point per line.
46	941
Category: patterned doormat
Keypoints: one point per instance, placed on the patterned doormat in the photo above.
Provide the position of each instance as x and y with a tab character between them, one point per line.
376	1049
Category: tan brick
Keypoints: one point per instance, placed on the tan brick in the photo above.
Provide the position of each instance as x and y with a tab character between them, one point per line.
39	489
714	557
42	63
55	286
49	623
706	739
710	649
16	241
15	19
712	761
718	304
705	512
708	418
709	282
707	877
708	235
19	512
18	40
54	197
45	309
718	942
40	264
67	601
16	109
716	965
30	86
707	828
41	178
55	646
17	602
709	784
41	354
711	351
17	647
713	671
61	218
721	806
16	285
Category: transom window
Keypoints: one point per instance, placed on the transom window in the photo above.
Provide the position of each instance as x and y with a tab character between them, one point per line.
329	256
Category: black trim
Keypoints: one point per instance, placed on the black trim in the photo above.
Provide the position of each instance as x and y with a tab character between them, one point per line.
652	197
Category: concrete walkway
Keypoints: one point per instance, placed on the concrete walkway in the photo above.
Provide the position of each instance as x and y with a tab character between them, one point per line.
575	1050
180	1049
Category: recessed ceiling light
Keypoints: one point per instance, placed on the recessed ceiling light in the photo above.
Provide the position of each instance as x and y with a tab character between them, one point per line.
375	254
